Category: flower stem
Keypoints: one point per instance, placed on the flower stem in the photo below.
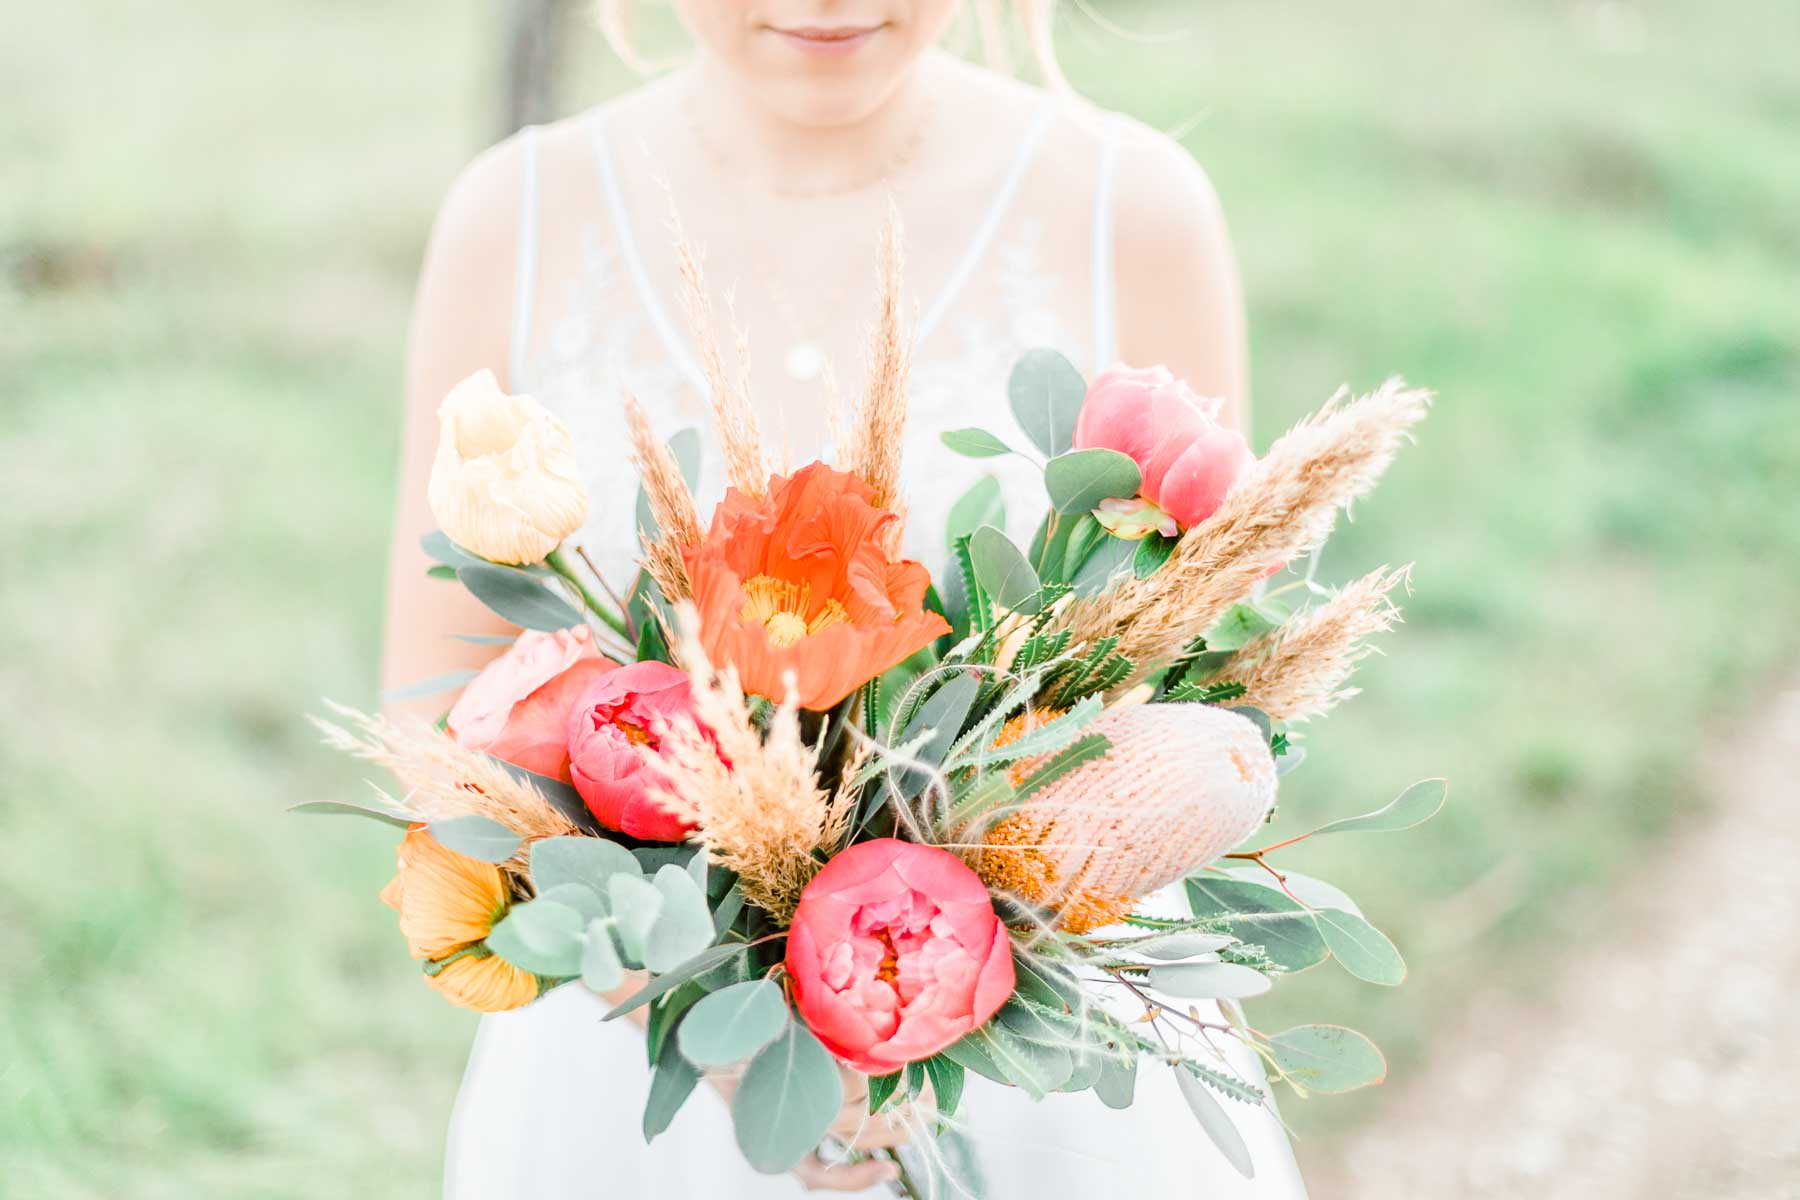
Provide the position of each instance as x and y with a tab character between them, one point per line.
561	565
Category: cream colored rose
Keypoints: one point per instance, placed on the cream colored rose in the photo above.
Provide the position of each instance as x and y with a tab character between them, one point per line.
504	484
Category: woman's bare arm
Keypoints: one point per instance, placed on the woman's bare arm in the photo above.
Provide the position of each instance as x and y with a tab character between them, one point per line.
1180	302
461	322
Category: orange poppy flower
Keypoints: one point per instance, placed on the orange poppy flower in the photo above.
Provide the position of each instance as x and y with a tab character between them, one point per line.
447	904
800	581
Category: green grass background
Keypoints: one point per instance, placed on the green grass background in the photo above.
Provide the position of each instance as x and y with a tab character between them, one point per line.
1579	222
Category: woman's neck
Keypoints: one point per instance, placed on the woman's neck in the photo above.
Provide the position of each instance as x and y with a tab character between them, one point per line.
748	141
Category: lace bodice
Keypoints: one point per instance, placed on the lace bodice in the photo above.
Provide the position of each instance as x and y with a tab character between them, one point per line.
591	323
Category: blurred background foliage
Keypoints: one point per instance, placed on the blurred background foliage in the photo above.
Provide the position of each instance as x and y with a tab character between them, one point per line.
1578	221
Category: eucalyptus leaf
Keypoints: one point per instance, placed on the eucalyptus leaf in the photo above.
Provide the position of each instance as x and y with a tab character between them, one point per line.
1079	480
975	443
1046	392
438	547
540	936
1315	893
1036	1069
1176	946
1328	1058
1216	1122
980	505
729	1026
670	1085
683	926
693	968
518	597
1261	916
1416	805
589	861
1209	980
580	897
388	816
636	902
789	1096
601	969
437	685
1117	1086
1002	571
1363	950
1240	625
1110	558
474	836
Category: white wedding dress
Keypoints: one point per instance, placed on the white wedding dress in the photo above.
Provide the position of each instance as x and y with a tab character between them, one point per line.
552	1098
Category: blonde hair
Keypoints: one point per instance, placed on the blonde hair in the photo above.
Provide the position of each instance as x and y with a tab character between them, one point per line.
1033	19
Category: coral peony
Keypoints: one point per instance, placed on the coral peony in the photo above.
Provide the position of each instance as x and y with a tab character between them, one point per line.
505	484
1188	459
895	952
612	730
447	904
517	709
801	582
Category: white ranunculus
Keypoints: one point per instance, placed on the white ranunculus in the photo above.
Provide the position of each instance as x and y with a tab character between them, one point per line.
504	485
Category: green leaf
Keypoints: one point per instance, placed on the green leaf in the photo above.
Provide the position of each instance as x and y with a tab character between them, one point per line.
1261	916
1363	949
1416	805
1117	1085
685	446
947	1077
980	505
1152	553
1079	480
730	1025
683	926
480	838
437	685
540	936
601	969
1037	1068
882	1089
1176	946
1209	981
580	897
665	1016
693	968
670	1085
789	1096
518	597
386	815
1002	571
975	443
1078	754
438	547
585	860
1216	1122
1046	392
1241	625
562	797
635	905
1328	1058
1111	557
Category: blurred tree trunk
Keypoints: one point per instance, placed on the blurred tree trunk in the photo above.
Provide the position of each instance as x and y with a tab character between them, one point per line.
532	58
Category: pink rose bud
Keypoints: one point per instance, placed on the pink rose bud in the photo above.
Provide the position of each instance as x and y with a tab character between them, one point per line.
613	730
895	952
517	709
1188	459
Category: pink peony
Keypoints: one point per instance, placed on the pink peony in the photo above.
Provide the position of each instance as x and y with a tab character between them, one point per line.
517	709
1188	459
615	726
895	953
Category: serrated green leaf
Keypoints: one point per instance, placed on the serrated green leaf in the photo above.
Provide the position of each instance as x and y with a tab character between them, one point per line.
1005	577
540	936
1416	805
975	443
480	838
585	860
1046	392
1079	480
789	1096
730	1025
1328	1058
518	597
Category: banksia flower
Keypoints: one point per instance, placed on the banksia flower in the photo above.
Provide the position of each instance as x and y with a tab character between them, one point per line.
1300	669
1181	785
1280	507
448	903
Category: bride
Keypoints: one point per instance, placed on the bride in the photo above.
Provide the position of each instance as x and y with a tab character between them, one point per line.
1030	219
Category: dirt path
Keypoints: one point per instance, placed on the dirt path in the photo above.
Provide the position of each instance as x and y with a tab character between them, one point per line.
1664	1063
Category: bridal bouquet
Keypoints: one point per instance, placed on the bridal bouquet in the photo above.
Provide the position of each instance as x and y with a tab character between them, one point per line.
812	807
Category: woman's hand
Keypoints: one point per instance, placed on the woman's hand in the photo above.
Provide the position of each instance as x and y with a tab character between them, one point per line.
856	1129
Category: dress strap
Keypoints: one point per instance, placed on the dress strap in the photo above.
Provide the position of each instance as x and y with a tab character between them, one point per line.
1102	271
996	213
526	261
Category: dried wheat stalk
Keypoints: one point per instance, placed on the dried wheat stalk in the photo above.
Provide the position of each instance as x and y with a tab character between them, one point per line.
740	437
671	503
1300	669
877	434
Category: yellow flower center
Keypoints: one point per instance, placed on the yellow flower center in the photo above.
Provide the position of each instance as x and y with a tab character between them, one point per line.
780	607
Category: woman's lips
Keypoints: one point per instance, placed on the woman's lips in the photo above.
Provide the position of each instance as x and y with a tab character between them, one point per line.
828	42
